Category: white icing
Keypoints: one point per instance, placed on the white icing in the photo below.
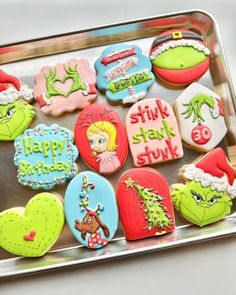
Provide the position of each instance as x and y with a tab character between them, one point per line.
86	91
191	172
134	97
215	112
48	101
183	42
11	94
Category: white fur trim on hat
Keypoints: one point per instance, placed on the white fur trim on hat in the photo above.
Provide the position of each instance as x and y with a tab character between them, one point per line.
11	94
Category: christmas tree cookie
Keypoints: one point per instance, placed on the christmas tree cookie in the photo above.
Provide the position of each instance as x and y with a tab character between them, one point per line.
33	230
16	112
208	189
200	116
144	202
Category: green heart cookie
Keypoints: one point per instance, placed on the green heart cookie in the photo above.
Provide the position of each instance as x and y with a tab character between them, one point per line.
33	230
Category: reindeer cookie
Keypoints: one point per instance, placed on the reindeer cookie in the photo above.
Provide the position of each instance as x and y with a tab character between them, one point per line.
208	189
144	202
153	132
101	138
200	115
16	112
65	87
91	210
124	72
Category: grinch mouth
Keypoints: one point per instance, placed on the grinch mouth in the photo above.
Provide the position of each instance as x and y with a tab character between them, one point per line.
198	45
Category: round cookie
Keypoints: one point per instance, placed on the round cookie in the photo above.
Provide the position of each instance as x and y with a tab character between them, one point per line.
91	210
153	132
179	57
208	189
16	113
124	73
144	202
65	87
200	117
45	156
101	138
33	230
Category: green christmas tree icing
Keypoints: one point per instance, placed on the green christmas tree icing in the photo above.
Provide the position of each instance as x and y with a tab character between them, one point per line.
154	211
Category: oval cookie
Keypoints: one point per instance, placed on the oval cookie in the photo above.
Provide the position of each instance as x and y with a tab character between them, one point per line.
124	72
101	138
208	187
16	113
91	210
144	202
153	132
65	87
200	116
179	57
45	156
33	230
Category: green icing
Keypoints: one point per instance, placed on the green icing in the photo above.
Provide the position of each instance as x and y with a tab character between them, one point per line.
129	81
200	205
155	212
195	104
179	58
15	117
43	214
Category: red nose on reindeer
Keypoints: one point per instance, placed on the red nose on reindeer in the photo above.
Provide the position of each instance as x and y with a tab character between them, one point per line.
92	186
91	213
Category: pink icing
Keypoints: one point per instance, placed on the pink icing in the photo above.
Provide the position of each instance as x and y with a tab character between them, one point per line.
149	114
76	100
108	162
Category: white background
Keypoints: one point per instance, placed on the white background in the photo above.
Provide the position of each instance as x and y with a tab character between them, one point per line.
207	268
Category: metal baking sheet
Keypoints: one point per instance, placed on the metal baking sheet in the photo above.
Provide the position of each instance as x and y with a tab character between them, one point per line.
24	59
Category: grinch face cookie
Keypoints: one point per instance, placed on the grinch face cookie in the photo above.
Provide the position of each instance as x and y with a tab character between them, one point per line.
124	72
200	116
101	138
91	210
205	197
144	202
16	113
33	230
65	87
153	132
179	57
45	156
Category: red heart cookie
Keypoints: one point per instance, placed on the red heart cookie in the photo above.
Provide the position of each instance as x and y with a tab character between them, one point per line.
144	202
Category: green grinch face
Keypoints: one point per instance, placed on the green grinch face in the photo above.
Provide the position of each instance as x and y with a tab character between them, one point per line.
179	58
14	119
201	205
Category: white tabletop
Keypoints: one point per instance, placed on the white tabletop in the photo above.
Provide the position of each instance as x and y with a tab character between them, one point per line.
206	268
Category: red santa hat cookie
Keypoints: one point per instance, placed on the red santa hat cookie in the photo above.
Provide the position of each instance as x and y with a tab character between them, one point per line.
179	57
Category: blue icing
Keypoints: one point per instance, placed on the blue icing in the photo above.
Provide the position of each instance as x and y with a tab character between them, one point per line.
116	30
138	63
45	156
102	196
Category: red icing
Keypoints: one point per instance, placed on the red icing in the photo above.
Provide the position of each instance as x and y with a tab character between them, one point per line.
6	79
182	77
201	134
131	213
95	113
216	163
117	56
30	236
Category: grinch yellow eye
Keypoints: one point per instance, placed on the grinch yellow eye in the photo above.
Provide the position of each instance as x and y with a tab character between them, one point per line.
213	200
9	114
198	198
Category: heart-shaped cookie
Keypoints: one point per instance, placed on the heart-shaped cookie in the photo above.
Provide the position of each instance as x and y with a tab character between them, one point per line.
33	230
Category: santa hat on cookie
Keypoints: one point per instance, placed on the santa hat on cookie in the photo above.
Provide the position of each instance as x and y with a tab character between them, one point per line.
213	170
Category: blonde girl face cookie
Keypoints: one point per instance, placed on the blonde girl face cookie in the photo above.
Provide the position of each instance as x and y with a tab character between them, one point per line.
101	138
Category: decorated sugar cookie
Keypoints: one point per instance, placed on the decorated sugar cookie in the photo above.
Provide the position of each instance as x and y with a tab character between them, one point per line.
101	138
153	132
144	202
179	57
124	72
16	113
200	116
65	87
91	210
33	230
45	156
208	189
